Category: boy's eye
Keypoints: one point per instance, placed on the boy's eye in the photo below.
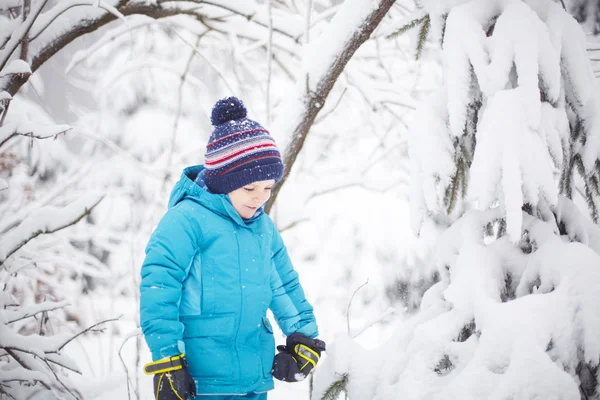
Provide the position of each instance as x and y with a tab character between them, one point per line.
248	189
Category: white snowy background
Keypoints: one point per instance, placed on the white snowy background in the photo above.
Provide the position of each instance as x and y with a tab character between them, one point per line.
414	172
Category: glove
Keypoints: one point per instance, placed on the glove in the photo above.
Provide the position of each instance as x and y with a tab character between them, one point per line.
297	358
172	381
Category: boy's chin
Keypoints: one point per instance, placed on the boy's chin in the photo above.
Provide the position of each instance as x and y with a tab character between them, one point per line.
247	213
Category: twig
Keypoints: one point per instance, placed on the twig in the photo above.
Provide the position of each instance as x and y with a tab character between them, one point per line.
285	69
325	14
389	311
82	172
380	60
350	304
31	135
137	303
62	8
23	364
20	34
36	313
134	333
115	34
293	224
307	22
5	111
205	59
269	59
350	185
118	150
249	17
25	42
562	2
59	381
33	235
323	84
328	112
86	330
186	71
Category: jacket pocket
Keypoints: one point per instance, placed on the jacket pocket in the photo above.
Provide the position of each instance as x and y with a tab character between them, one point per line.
267	347
209	346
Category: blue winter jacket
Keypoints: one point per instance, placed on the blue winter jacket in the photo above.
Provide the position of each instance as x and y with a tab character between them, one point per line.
207	281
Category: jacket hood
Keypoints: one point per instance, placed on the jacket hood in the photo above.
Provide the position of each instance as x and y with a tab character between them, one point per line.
191	186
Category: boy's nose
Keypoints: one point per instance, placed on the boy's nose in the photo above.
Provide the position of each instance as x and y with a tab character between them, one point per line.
261	198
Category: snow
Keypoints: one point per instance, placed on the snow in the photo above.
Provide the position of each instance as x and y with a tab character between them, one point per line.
428	136
5	97
514	346
520	298
16	67
12	316
509	293
15	39
46	220
7	4
511	162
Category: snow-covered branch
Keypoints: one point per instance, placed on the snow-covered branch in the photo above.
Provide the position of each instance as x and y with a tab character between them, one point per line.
18	36
247	9
28	312
50	40
36	354
326	58
46	220
31	130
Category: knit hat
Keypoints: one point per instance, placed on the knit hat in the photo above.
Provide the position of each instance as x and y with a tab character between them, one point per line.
239	151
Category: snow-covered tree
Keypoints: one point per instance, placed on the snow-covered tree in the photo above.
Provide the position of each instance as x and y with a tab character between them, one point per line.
505	157
41	272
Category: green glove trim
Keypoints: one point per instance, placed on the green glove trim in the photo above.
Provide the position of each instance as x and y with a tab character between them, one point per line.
165	365
308	354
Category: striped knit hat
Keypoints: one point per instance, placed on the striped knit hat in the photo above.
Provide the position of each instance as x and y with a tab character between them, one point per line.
239	151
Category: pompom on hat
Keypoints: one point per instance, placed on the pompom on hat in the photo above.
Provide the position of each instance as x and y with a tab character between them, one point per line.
239	151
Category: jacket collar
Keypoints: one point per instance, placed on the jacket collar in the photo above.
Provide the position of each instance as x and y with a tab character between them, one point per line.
191	185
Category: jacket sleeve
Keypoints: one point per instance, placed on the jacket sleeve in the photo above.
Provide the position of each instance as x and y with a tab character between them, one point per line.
169	254
289	305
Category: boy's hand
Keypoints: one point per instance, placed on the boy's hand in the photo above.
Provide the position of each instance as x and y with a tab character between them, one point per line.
297	358
172	381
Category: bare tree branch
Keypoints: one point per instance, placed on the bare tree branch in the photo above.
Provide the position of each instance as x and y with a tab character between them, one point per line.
350	305
9	131
25	42
88	329
314	100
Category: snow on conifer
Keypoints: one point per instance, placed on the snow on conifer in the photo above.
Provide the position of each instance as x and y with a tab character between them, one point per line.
501	156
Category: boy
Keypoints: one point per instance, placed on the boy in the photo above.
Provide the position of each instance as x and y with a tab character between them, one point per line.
214	265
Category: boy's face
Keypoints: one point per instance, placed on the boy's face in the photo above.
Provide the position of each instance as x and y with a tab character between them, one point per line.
247	199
